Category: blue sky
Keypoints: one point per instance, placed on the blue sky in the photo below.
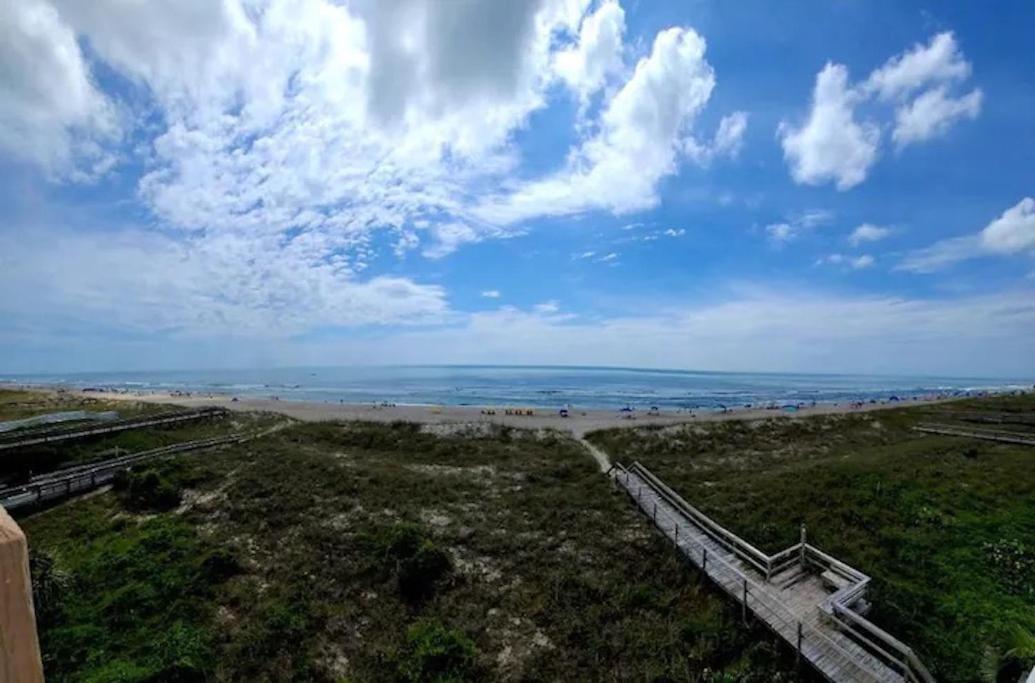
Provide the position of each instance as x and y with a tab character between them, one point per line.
835	187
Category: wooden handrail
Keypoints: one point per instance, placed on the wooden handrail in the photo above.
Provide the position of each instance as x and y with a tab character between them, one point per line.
678	500
758	593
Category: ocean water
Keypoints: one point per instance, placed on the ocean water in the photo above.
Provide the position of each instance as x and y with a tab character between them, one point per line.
578	387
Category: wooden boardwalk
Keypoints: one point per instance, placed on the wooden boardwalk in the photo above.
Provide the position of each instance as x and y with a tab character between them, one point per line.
1022	438
80	479
803	595
36	437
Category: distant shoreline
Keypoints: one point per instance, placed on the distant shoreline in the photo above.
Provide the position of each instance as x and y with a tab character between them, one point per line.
578	421
542	389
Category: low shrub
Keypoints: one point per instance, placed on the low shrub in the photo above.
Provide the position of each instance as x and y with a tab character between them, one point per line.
435	653
1014	565
220	565
417	563
146	490
49	586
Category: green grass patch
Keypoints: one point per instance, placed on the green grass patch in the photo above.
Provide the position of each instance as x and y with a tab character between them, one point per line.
123	598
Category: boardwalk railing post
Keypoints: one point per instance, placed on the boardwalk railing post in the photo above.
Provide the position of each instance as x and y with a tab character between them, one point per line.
704	560
801	551
744	605
798	661
655	514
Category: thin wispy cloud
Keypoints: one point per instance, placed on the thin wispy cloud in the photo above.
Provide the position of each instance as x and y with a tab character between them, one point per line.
1011	233
867	232
797	225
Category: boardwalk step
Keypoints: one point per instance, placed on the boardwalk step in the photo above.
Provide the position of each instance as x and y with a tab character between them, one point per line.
788	579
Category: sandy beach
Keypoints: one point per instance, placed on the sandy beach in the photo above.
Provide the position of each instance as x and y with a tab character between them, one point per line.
578	422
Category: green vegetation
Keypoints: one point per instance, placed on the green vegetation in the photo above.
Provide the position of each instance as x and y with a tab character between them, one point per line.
944	525
133	600
328	552
436	653
16	404
146	490
409	555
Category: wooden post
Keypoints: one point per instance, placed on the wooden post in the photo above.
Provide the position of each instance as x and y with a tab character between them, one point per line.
704	561
655	514
19	647
744	604
798	661
801	552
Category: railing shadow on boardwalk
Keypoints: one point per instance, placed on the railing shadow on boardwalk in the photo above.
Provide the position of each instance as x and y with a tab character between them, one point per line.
810	599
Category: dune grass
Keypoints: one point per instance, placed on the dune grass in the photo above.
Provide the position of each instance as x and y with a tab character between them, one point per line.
367	552
355	551
16	404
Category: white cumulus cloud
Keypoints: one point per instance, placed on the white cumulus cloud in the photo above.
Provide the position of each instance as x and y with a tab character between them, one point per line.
931	114
51	112
643	133
598	53
940	61
1012	232
832	145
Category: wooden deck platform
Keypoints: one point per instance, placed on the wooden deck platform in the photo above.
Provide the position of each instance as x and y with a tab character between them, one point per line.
785	591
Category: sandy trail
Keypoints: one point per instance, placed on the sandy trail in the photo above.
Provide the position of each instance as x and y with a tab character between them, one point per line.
598	455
